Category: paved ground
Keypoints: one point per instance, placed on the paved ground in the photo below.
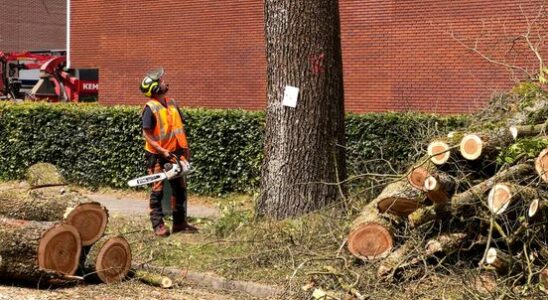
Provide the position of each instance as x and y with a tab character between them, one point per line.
131	206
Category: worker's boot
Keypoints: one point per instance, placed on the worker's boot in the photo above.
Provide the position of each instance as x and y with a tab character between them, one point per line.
184	228
161	230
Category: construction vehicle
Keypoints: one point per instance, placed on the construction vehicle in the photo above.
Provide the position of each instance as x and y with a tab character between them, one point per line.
40	75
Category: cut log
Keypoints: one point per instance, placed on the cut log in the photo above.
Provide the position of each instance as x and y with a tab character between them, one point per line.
417	176
409	253
372	235
537	209
500	261
34	251
517	173
153	279
108	260
399	198
439	188
476	145
502	195
43	175
527	130
398	257
541	165
469	197
543	280
439	152
90	218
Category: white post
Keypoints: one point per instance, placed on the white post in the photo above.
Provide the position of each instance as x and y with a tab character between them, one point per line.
68	35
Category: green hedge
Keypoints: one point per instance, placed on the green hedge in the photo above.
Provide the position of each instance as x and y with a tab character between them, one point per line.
102	146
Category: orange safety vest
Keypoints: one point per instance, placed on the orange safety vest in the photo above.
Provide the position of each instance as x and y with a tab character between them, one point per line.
169	131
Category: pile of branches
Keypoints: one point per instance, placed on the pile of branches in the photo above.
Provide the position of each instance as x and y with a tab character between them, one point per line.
467	199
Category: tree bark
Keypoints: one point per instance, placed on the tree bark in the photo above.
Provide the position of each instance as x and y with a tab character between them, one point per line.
500	261
304	146
34	251
55	204
399	198
108	260
439	188
527	130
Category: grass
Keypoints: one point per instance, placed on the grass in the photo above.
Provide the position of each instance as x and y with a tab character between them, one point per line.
300	255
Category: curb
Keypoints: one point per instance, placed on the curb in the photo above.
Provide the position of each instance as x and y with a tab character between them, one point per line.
219	283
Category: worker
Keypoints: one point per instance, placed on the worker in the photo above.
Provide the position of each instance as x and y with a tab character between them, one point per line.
163	130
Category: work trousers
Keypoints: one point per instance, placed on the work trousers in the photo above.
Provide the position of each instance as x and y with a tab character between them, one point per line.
178	200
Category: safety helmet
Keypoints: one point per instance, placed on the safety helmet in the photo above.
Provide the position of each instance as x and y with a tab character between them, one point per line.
151	83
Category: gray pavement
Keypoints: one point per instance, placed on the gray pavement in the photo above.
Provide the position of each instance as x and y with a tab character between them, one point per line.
128	206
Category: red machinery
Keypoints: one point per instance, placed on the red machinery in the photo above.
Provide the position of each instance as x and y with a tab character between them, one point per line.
54	83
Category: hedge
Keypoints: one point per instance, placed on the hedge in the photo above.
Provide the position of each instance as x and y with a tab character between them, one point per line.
102	146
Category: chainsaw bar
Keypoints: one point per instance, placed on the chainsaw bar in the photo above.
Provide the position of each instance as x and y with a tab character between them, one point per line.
147	179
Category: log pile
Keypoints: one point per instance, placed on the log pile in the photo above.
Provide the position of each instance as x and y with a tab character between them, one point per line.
51	233
462	198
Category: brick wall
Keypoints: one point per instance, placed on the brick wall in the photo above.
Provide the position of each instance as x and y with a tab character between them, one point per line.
32	25
397	55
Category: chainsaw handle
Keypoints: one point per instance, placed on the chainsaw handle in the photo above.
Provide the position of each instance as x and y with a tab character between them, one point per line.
177	160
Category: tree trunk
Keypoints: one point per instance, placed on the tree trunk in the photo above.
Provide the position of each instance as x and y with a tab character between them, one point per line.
53	204
34	251
304	146
108	260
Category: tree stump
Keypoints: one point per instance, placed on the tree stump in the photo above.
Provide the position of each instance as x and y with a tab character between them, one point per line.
108	260
33	251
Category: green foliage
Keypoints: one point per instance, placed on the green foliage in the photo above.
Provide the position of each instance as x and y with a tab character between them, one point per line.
387	143
233	216
522	149
98	146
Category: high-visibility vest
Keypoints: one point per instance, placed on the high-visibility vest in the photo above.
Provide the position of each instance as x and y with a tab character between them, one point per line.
169	131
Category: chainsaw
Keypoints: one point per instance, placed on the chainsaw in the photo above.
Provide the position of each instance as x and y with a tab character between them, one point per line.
170	171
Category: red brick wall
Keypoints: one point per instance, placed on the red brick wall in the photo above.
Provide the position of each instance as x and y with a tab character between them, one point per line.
32	25
398	55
